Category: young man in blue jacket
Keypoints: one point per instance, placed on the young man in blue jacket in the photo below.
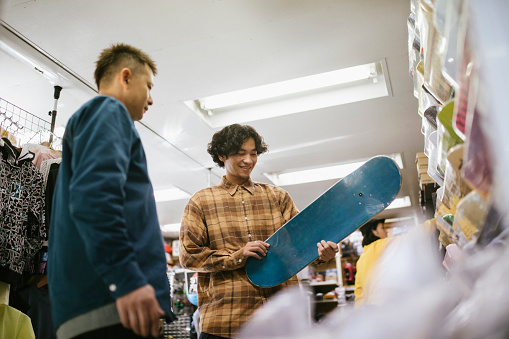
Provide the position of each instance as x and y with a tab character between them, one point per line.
107	266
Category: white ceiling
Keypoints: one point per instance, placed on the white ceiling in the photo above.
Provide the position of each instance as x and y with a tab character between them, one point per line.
209	47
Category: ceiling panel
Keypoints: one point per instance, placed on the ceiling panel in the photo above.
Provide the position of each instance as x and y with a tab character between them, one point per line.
210	47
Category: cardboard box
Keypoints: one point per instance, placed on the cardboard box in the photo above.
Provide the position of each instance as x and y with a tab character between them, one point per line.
420	155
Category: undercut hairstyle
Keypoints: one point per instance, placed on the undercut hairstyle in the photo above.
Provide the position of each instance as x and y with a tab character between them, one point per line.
367	231
230	139
113	59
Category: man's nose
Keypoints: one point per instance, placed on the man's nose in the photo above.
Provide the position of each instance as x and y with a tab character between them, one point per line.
247	158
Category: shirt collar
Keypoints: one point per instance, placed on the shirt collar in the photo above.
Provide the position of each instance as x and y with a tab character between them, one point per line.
232	188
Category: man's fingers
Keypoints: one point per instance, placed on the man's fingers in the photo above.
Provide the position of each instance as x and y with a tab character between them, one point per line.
124	319
155	330
260	247
255	249
133	322
327	250
156	322
143	322
334	246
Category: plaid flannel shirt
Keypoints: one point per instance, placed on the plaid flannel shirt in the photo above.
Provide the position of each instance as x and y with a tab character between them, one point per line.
217	223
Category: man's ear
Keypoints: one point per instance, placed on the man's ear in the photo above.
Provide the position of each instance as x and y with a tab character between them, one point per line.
222	158
126	76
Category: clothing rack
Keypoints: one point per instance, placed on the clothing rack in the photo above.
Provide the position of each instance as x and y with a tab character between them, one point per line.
23	124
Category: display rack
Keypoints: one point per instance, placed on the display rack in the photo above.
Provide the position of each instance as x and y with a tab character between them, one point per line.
21	123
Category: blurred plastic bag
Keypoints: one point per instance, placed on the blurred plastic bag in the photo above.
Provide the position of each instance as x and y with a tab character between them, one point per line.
455	188
413	296
285	315
447	137
471	215
484	310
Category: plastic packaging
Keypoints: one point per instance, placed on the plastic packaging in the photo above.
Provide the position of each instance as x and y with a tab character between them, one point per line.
464	99
453	257
452	35
471	215
429	124
425	98
447	138
433	159
284	316
477	169
433	43
414	48
455	187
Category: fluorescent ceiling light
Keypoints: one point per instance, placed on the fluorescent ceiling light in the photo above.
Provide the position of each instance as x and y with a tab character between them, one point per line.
170	194
171	228
277	89
313	175
400	203
313	92
320	174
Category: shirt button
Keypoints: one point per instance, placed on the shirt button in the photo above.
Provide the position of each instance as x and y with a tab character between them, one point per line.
240	260
246	218
249	235
223	266
242	202
113	287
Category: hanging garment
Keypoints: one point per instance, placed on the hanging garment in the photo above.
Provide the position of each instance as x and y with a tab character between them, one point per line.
14	324
40	310
22	205
42	154
49	171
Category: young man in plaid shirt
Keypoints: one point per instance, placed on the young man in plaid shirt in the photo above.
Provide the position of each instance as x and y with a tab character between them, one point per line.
225	224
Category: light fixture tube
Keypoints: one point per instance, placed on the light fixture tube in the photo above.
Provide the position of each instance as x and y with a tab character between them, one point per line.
400	203
170	194
322	173
288	87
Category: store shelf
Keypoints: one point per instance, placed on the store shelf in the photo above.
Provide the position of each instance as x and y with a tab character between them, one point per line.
324	283
326	301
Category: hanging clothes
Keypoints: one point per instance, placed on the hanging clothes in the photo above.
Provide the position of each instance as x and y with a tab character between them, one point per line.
14	324
40	310
44	153
49	171
22	206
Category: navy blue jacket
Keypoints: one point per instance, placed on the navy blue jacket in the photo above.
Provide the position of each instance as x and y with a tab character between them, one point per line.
105	239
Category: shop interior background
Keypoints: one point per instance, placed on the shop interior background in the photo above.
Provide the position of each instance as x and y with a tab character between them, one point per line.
204	48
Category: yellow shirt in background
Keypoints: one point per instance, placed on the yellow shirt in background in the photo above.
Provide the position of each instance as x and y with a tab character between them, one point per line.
369	257
15	324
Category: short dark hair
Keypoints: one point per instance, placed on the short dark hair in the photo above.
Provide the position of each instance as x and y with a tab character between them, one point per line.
229	140
367	231
118	56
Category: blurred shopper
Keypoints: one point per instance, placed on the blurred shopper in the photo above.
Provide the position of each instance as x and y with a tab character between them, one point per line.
374	243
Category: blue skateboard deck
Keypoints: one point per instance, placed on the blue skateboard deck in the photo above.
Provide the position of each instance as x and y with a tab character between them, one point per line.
334	215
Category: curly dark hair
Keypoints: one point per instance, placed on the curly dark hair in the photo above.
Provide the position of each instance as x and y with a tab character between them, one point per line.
229	140
367	231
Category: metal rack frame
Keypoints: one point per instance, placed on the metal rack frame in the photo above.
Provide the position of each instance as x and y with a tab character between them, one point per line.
22	123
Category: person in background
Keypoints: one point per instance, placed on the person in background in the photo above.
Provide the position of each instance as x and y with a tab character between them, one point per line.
374	242
107	266
225	224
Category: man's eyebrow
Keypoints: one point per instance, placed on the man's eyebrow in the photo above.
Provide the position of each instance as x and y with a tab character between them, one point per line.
245	150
